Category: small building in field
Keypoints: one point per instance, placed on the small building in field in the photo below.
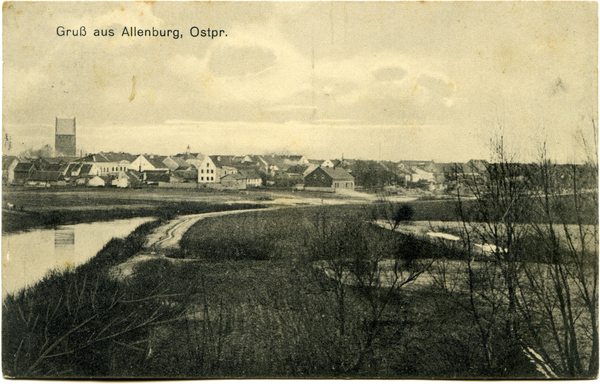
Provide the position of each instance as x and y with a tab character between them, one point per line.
23	171
253	179
96	181
234	181
9	163
328	179
47	178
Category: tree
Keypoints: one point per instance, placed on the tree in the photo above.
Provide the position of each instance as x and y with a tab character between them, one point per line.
493	232
536	280
559	296
364	273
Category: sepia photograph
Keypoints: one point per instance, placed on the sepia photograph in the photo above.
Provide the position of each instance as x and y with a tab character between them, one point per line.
299	190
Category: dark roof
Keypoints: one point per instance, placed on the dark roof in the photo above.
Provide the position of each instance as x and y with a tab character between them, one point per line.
157	176
224	161
98	158
180	162
85	169
190	174
45	176
337	173
60	159
156	161
73	167
23	167
249	173
300	168
116	157
235	176
55	167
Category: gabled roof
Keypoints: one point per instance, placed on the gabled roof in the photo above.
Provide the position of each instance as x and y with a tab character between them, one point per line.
180	162
224	161
337	173
85	169
249	173
187	156
156	161
117	157
73	167
56	167
157	176
95	158
235	176
23	167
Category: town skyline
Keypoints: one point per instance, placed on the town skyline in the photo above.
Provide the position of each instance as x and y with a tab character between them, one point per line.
385	81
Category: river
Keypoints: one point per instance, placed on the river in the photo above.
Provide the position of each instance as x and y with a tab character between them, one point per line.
28	256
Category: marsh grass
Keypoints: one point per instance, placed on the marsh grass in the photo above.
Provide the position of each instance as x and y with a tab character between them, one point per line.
242	299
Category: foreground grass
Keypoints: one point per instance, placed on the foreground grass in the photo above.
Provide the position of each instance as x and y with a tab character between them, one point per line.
241	299
14	221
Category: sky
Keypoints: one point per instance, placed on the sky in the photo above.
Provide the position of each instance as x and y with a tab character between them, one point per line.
366	80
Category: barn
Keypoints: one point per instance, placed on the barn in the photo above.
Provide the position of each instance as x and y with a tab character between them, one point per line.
328	179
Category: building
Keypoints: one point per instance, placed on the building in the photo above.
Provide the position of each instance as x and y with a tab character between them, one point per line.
65	142
207	171
110	163
145	163
23	171
9	163
234	181
328	179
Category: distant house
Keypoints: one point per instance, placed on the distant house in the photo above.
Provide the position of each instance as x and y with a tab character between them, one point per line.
194	159
47	178
187	176
77	170
328	179
9	164
253	179
126	179
149	163
176	163
328	164
96	181
23	171
109	163
155	177
282	162
208	171
234	181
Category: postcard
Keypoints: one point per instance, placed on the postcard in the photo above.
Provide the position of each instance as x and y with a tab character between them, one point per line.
242	190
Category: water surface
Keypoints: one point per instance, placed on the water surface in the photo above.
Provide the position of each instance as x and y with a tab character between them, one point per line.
28	256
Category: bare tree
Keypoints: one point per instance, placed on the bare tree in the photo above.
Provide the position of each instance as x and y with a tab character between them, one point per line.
365	272
559	299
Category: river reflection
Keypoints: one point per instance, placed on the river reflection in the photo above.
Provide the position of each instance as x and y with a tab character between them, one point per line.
28	256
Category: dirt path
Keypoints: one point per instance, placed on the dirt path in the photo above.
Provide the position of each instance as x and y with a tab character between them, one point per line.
167	237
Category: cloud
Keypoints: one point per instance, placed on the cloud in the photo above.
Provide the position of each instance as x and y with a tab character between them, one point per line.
255	65
389	73
241	61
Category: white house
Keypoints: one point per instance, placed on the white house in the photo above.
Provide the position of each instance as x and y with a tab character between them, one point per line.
149	163
207	171
96	181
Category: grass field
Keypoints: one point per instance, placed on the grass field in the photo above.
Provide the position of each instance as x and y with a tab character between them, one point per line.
50	207
243	297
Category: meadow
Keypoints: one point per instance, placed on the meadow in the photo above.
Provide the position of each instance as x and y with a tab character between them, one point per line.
245	297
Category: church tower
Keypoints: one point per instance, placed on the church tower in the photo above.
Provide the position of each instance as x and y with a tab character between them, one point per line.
65	139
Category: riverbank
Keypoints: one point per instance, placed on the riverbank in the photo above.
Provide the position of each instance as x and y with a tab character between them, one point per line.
26	208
